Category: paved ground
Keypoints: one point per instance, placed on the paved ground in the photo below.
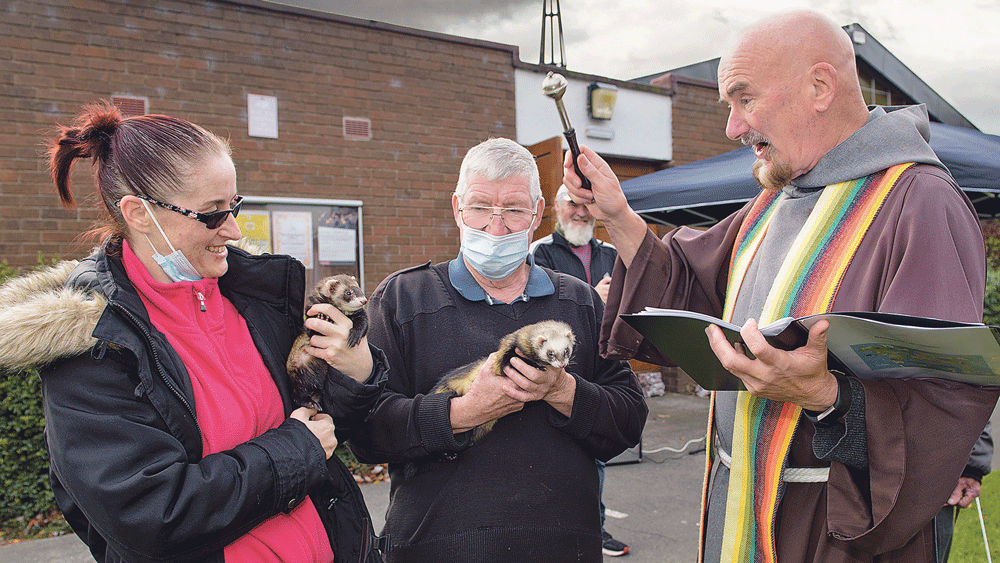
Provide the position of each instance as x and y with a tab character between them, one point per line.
652	505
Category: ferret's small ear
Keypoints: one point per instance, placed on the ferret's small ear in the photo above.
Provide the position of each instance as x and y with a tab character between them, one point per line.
539	340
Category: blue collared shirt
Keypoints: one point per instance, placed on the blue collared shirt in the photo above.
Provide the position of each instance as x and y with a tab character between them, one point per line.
539	284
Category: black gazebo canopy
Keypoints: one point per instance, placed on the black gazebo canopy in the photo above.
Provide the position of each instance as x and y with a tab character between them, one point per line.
703	192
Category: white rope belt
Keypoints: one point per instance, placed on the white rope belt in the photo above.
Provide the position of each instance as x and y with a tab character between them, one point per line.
791	474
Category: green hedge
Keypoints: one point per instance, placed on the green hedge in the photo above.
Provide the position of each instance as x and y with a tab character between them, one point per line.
24	463
991	306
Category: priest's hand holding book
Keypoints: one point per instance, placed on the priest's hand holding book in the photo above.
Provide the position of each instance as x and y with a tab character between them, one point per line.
799	376
860	344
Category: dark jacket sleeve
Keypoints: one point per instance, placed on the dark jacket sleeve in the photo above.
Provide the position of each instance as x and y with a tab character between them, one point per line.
404	425
350	402
980	463
138	485
609	410
608	413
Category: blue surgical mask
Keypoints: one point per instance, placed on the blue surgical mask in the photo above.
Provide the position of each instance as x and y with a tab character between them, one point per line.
495	257
175	265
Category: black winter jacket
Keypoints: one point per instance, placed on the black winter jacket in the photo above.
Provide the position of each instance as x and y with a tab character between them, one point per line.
554	253
125	448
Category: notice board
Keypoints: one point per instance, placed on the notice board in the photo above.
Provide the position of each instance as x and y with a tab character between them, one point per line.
324	234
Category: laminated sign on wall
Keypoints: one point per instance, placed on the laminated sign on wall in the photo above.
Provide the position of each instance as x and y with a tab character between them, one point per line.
262	116
293	235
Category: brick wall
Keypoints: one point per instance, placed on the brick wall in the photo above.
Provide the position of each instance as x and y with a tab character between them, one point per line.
699	119
429	97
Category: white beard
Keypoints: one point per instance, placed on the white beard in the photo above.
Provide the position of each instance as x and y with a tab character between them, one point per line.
578	234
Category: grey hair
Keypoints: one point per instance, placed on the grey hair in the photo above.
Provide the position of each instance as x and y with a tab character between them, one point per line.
498	159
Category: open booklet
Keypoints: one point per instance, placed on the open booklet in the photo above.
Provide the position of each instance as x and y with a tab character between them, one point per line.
863	344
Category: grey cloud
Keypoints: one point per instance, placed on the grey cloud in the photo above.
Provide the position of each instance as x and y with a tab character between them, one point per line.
432	15
646	37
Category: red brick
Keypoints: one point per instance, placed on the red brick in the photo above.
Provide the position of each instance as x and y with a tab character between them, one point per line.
199	61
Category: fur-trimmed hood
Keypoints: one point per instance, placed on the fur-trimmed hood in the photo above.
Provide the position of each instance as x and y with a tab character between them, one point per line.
43	320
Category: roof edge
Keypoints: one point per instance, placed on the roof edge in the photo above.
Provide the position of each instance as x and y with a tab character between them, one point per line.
886	63
673	79
514	50
543	68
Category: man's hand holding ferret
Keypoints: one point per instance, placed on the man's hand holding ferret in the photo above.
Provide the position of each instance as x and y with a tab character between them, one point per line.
321	425
486	400
555	386
331	344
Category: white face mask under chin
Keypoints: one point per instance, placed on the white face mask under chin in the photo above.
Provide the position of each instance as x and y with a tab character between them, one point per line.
175	265
495	257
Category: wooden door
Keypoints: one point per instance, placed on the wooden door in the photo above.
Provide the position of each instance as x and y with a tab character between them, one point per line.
548	157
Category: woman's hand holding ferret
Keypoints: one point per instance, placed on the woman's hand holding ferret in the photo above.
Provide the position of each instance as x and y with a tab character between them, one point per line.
555	386
486	400
321	425
331	344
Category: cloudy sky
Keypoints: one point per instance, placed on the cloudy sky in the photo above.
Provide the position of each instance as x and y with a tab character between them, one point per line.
952	45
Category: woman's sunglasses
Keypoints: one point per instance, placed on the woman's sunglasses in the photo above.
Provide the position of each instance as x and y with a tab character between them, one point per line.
212	220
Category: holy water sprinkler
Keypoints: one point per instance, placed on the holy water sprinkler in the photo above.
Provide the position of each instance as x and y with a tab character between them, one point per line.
554	86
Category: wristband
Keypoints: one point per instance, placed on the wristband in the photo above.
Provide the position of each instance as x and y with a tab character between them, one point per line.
838	410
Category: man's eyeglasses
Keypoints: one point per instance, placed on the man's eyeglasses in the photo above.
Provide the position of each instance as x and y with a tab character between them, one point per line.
212	220
515	219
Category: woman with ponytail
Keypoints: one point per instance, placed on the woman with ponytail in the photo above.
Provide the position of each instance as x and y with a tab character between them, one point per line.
169	422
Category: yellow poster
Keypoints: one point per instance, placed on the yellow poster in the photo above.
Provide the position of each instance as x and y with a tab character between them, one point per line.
256	226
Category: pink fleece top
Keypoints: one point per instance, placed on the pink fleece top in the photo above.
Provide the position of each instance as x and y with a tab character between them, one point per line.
583	253
235	399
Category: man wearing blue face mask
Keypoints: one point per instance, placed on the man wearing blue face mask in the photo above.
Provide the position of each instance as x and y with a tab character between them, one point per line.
528	489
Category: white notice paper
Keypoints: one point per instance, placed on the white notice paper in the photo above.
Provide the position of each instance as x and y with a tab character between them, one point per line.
336	245
262	116
293	235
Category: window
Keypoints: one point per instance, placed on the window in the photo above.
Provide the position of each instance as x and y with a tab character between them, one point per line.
878	91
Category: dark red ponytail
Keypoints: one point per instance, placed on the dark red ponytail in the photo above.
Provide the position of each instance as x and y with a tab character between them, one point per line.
90	137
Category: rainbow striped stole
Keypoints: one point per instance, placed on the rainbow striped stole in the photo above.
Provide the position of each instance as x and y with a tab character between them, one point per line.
807	283
747	241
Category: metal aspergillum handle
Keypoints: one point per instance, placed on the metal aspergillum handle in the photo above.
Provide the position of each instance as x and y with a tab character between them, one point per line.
554	86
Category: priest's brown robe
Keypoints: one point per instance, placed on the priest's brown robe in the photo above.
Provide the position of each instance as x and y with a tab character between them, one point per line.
922	256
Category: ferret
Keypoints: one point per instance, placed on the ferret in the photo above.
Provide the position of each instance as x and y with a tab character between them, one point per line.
306	371
548	343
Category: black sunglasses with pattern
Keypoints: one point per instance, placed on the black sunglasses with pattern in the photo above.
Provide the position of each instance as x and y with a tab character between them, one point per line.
212	220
